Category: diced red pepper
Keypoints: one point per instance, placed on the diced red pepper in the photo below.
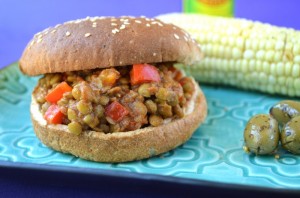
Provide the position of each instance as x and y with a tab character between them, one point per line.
116	111
53	115
142	73
57	93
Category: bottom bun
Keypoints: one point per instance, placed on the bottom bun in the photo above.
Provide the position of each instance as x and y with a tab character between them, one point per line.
120	146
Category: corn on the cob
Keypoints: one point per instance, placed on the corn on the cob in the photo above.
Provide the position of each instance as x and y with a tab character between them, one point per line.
244	53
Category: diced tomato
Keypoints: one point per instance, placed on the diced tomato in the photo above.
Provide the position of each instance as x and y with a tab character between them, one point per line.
53	115
116	111
142	73
109	76
57	93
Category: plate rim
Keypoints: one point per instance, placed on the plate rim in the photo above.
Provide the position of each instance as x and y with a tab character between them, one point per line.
114	174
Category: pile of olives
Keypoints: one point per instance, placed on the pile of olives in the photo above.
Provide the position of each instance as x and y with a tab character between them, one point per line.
263	132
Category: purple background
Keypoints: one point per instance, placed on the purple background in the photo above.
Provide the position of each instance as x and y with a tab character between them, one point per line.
19	20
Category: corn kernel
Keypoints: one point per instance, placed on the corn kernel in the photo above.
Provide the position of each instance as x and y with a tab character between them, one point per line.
296	49
280	69
248	54
288	69
237	53
297	59
269	55
266	67
296	70
279	45
260	54
289	82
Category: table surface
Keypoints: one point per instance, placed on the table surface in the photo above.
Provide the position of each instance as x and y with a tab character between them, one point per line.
19	20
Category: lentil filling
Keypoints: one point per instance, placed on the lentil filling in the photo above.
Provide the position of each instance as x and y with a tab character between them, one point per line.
114	99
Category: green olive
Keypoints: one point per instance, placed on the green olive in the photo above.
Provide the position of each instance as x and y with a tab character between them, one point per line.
261	134
285	110
290	136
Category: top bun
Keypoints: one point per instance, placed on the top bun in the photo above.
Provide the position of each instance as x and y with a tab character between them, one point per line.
101	42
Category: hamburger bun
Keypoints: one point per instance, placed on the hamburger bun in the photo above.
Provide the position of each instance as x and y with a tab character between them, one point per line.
107	42
79	45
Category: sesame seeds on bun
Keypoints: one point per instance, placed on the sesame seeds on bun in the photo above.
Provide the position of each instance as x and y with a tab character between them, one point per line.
99	42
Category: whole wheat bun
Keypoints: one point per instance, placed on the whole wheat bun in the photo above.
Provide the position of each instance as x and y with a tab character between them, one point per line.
101	42
121	146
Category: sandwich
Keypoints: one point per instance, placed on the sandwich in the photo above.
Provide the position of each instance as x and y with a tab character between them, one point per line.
110	90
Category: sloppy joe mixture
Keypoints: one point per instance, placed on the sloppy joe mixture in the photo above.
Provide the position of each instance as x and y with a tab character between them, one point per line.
114	99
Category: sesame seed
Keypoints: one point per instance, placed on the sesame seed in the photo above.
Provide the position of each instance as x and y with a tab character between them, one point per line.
147	19
115	30
126	23
87	34
93	19
40	36
32	42
176	36
122	27
94	24
154	54
68	33
148	25
39	40
185	38
137	21
53	31
174	28
121	62
113	19
114	24
159	24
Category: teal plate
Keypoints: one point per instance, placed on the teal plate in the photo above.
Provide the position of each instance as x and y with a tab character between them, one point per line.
213	154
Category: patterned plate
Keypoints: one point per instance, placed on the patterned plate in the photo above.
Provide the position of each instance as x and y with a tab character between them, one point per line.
214	153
